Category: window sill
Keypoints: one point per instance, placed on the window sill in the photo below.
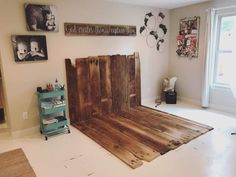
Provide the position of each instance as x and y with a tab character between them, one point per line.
220	87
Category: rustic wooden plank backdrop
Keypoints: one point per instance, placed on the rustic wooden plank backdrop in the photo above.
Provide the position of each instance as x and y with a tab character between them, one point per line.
104	95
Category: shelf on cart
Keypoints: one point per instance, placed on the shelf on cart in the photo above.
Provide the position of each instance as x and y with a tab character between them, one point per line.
51	94
62	121
53	110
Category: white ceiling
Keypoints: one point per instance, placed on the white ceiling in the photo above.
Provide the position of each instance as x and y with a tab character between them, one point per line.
166	4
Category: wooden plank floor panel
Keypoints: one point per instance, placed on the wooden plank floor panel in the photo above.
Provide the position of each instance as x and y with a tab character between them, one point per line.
106	141
155	134
155	125
188	124
160	123
155	140
137	148
139	134
176	118
197	127
105	101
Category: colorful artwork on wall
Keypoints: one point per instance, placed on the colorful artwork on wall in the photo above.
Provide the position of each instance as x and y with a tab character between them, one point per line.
187	40
154	30
29	48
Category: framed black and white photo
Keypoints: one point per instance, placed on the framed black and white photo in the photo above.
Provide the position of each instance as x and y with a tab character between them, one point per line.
41	17
29	47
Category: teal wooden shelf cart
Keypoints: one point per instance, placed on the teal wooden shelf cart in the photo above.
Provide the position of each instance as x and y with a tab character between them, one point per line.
52	113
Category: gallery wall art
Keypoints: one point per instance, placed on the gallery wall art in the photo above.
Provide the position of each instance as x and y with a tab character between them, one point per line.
188	37
154	30
41	17
29	47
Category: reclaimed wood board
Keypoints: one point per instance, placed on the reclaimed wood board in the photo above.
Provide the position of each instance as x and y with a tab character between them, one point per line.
109	143
134	85
73	92
84	88
184	121
164	125
157	140
102	84
137	148
119	82
95	89
137	135
105	84
105	104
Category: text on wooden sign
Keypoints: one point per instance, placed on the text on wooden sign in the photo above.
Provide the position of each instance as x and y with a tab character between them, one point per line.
82	29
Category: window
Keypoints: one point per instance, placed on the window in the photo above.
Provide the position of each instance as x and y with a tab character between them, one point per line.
225	55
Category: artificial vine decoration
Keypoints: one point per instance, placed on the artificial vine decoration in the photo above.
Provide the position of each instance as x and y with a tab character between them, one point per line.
155	31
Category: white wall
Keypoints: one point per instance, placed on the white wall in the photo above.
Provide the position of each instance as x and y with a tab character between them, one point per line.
21	80
190	72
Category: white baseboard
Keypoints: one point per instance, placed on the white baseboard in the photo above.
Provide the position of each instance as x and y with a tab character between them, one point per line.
215	107
25	132
148	100
224	109
189	100
182	99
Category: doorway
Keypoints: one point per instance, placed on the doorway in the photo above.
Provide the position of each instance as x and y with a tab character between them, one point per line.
3	123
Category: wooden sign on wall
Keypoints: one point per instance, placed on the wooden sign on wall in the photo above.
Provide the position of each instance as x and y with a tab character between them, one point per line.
83	29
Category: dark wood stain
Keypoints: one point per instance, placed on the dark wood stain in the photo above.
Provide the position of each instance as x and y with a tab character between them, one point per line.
104	95
94	79
72	91
105	84
109	143
119	82
84	88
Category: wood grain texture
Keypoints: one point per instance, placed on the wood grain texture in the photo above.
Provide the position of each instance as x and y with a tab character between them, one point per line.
105	84
167	126
105	140
84	89
138	149
72	93
132	96
189	123
15	164
109	111
157	143
119	82
137	78
94	81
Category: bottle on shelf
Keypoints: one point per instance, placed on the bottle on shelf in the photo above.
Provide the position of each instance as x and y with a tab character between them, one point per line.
56	85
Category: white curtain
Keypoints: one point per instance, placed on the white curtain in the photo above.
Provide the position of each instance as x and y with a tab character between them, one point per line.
208	56
232	79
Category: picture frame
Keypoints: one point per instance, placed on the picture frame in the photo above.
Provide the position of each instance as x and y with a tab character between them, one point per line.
188	37
41	17
29	48
88	29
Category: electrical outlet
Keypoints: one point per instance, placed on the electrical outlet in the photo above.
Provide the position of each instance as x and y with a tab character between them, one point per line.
25	115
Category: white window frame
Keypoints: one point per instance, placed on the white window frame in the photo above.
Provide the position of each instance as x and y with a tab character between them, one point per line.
218	19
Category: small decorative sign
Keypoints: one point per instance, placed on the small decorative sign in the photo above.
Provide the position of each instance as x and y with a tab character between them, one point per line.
83	29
